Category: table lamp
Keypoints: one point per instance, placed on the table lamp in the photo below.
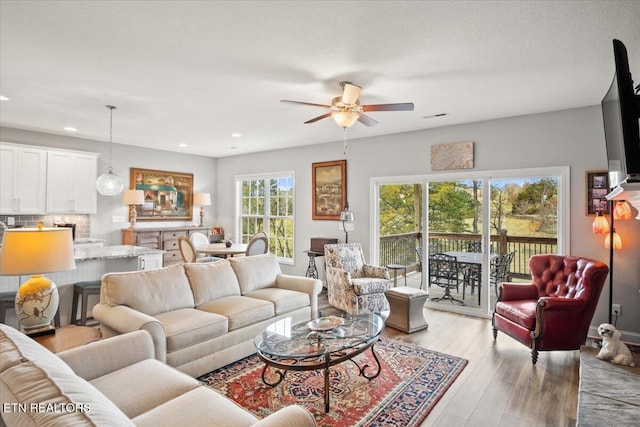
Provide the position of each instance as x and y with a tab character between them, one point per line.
133	198
202	200
36	251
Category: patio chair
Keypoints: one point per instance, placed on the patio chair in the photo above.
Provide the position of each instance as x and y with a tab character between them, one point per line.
352	285
444	272
501	270
554	311
474	246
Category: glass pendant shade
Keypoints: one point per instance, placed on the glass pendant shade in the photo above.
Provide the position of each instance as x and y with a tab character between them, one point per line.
109	184
617	241
344	119
600	224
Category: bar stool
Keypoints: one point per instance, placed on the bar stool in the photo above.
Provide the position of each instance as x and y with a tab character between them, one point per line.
83	290
8	300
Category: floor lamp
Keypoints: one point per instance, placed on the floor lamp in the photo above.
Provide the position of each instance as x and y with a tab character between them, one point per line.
346	215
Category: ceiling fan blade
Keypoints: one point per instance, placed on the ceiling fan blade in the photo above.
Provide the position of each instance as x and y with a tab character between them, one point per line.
315	119
405	106
366	120
306	103
350	93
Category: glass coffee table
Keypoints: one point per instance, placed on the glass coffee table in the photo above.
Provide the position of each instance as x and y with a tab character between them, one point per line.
319	344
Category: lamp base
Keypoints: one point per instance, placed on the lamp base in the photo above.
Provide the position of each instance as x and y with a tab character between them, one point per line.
36	304
38	332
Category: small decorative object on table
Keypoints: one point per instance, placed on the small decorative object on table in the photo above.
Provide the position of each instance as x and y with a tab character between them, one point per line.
325	323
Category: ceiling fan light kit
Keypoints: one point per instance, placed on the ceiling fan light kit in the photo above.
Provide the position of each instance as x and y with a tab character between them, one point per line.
346	108
345	119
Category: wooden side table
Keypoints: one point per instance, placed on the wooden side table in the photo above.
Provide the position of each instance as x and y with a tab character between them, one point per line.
69	336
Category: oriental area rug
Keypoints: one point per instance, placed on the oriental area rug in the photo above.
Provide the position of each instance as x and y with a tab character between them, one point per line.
411	382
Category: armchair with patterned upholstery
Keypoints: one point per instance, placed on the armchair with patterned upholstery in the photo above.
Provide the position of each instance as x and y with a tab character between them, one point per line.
352	285
554	311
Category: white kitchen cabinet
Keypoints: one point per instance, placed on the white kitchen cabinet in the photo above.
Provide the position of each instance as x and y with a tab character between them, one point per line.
71	182
22	179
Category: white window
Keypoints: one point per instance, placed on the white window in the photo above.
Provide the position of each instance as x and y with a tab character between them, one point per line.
266	203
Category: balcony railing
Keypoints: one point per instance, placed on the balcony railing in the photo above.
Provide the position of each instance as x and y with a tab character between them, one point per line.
401	248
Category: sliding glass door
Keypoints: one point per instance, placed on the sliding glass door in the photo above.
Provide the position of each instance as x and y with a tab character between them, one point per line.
459	237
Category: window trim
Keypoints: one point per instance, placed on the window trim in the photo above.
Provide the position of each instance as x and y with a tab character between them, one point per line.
239	179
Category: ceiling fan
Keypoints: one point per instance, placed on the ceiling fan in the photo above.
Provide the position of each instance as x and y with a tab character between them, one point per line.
346	109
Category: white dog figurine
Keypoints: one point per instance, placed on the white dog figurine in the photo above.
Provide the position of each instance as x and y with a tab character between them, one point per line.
613	350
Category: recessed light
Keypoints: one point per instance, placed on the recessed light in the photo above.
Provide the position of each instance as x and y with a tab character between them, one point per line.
3	98
70	129
236	135
182	145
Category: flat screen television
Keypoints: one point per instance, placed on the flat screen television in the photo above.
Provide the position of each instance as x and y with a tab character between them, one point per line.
621	114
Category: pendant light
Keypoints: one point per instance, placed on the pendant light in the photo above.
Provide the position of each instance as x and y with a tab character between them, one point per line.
110	184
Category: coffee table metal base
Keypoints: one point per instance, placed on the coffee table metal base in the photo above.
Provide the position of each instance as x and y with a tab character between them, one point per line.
313	363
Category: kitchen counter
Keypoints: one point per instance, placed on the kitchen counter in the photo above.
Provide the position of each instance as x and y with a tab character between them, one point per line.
92	241
109	252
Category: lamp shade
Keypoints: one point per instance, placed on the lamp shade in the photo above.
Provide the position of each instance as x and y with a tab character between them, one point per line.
202	199
133	197
36	251
617	241
622	210
600	224
346	215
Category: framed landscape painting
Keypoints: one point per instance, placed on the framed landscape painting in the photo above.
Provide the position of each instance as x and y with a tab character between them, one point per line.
329	189
167	195
597	189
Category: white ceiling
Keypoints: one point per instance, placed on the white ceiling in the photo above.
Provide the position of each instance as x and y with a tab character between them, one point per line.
194	72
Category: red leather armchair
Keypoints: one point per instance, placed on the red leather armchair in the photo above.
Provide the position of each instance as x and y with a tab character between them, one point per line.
555	310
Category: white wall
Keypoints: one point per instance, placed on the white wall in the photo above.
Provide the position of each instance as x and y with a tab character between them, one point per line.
566	138
572	138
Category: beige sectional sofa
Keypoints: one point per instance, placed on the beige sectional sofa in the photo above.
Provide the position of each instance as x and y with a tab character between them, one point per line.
203	316
113	382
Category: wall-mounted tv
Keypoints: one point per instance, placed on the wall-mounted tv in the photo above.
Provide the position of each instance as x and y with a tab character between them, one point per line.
621	114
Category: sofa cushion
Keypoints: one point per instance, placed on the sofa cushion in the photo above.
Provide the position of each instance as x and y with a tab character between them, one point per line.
256	271
201	407
140	387
186	327
283	300
211	281
42	378
241	311
150	292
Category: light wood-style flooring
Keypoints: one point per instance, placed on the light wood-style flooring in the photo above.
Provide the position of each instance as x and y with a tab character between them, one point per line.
499	386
